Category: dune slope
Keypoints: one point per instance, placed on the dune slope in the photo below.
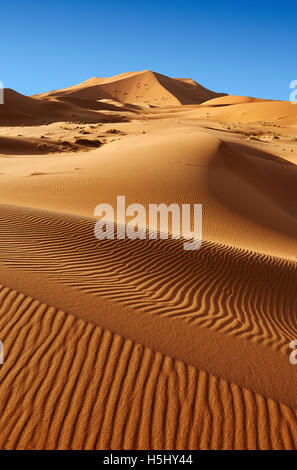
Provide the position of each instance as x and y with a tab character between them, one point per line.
248	195
144	87
18	110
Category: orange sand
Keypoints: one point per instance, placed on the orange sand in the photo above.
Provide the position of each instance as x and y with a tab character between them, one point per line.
122	344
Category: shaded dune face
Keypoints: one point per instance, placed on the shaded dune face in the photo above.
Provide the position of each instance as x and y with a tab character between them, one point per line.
242	178
18	110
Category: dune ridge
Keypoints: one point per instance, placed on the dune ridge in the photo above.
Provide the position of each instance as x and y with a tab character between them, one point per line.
249	195
245	109
97	390
63	249
145	87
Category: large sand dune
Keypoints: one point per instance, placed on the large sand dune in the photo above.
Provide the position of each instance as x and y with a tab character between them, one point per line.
139	344
143	88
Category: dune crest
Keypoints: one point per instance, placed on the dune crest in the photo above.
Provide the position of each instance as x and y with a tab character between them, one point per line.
146	88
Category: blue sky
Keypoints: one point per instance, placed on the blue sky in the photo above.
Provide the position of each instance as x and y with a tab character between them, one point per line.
246	48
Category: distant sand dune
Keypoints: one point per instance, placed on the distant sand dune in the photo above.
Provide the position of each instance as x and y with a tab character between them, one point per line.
144	87
19	110
244	109
232	100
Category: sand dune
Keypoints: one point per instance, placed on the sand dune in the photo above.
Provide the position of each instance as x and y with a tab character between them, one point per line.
242	109
248	195
139	344
19	110
231	99
144	87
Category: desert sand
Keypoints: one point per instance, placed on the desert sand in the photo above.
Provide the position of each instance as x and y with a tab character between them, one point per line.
139	344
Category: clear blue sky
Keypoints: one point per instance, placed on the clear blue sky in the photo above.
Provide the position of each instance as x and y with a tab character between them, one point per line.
246	48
